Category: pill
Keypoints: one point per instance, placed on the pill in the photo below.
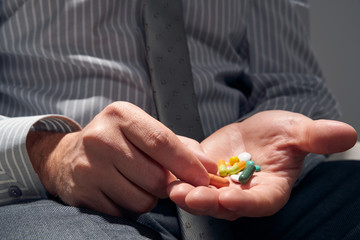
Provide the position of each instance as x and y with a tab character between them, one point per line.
258	168
218	181
233	160
234	169
250	162
245	156
222	169
247	173
241	164
235	177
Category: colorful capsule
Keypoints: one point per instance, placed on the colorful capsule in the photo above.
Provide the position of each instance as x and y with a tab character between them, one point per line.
247	173
235	177
234	169
218	181
222	168
241	164
250	162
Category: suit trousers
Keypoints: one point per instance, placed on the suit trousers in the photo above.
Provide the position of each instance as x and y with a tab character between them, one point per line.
324	205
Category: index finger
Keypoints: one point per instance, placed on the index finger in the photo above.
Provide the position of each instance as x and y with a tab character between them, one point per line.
163	146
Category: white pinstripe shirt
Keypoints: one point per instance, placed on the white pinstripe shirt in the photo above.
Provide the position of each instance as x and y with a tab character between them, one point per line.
62	62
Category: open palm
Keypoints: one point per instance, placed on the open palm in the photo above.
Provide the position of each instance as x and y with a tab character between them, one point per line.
278	142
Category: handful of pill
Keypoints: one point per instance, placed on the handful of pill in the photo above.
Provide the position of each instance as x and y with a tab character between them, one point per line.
240	168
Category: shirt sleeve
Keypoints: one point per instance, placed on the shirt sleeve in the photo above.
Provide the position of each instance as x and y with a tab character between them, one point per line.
283	72
18	180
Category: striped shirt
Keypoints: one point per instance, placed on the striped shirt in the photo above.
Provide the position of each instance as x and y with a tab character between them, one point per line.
62	62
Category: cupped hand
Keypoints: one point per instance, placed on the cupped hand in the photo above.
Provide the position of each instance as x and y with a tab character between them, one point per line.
278	142
123	159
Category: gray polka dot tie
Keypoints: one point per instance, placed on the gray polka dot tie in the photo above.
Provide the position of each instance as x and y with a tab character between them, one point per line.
171	77
170	69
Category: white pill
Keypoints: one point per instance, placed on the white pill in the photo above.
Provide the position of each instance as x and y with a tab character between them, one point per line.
235	177
245	156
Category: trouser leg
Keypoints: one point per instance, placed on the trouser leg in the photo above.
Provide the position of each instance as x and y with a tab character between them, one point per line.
325	205
48	219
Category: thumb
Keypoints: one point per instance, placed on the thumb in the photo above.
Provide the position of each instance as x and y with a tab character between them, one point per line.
327	136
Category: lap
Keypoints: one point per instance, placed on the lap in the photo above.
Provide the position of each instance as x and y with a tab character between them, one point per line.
325	205
48	219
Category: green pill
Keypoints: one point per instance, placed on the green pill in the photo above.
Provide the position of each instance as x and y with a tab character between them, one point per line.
258	168
250	163
247	173
234	169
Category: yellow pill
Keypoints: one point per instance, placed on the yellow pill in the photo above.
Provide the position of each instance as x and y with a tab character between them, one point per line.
234	169
228	164
222	170
233	159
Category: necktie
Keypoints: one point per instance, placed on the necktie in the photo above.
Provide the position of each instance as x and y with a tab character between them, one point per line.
170	70
171	78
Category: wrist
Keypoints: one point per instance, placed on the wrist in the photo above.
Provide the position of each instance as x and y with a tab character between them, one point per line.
40	146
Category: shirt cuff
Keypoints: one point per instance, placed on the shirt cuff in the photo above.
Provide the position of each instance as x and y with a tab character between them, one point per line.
18	180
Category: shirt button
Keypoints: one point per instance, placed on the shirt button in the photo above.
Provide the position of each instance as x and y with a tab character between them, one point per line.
14	191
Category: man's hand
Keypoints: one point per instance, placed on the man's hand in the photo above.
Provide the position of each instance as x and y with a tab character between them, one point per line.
122	159
278	142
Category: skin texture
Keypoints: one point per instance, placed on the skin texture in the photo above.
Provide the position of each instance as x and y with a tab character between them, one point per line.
125	159
278	142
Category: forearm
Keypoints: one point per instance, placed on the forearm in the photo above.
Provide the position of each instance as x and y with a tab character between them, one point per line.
16	168
40	147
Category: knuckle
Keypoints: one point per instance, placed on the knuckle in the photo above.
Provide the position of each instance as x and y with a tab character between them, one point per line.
158	139
146	204
118	108
95	132
114	109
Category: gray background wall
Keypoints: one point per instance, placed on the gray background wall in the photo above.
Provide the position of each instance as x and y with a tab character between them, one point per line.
335	37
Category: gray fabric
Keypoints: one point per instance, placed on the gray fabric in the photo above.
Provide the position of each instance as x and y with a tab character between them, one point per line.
195	227
47	219
172	81
325	205
74	58
170	69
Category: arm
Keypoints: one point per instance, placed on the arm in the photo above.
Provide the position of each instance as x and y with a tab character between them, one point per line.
122	159
107	165
16	171
282	75
278	142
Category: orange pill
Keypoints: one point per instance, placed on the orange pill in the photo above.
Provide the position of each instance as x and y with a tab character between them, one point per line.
222	168
221	162
241	164
218	181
